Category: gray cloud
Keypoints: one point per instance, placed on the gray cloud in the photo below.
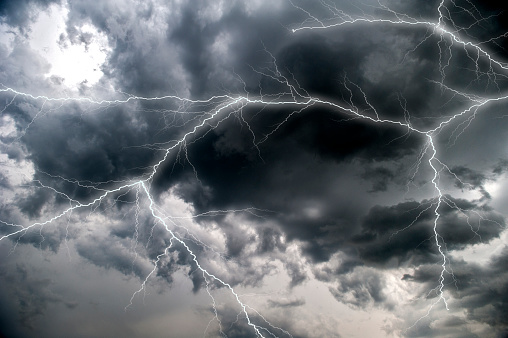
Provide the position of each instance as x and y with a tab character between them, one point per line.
480	290
360	289
329	185
405	231
286	302
33	296
19	14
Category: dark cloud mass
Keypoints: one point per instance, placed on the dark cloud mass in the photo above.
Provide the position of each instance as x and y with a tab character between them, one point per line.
406	231
253	168
19	13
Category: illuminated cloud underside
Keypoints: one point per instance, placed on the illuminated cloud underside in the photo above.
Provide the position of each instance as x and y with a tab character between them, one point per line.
300	169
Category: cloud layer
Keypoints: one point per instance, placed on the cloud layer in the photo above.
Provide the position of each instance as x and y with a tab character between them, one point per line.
308	211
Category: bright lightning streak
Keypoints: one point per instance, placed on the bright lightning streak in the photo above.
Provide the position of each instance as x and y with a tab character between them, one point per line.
438	28
195	259
229	105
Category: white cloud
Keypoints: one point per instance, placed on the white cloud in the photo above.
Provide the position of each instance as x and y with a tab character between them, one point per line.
75	61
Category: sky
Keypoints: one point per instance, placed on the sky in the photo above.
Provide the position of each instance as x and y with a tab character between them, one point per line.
285	168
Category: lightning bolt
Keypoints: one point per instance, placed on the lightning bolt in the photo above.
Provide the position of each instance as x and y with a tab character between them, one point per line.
225	106
452	34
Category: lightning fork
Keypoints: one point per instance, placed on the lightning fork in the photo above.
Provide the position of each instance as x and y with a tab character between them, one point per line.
296	97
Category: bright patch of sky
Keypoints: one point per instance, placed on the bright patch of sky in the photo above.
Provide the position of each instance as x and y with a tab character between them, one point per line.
74	62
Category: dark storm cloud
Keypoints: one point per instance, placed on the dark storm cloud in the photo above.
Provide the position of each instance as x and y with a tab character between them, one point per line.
471	179
171	265
297	165
468	176
101	149
227	164
33	204
480	289
233	327
110	254
312	61
453	327
269	240
379	176
405	231
20	13
139	66
501	167
33	295
126	250
296	272
4	182
235	243
286	302
360	289
179	55
347	264
298	174
12	151
489	19
95	145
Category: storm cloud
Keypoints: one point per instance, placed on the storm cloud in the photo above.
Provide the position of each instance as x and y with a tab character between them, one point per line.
246	167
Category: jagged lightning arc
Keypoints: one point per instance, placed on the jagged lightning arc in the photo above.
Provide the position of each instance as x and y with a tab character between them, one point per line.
225	106
438	28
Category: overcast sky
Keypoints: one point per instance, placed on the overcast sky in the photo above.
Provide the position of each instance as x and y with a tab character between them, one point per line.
281	168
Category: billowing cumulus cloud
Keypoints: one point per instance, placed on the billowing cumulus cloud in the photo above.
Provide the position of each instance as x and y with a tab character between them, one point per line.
253	168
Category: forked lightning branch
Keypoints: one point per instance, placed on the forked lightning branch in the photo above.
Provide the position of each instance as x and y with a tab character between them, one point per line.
221	108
